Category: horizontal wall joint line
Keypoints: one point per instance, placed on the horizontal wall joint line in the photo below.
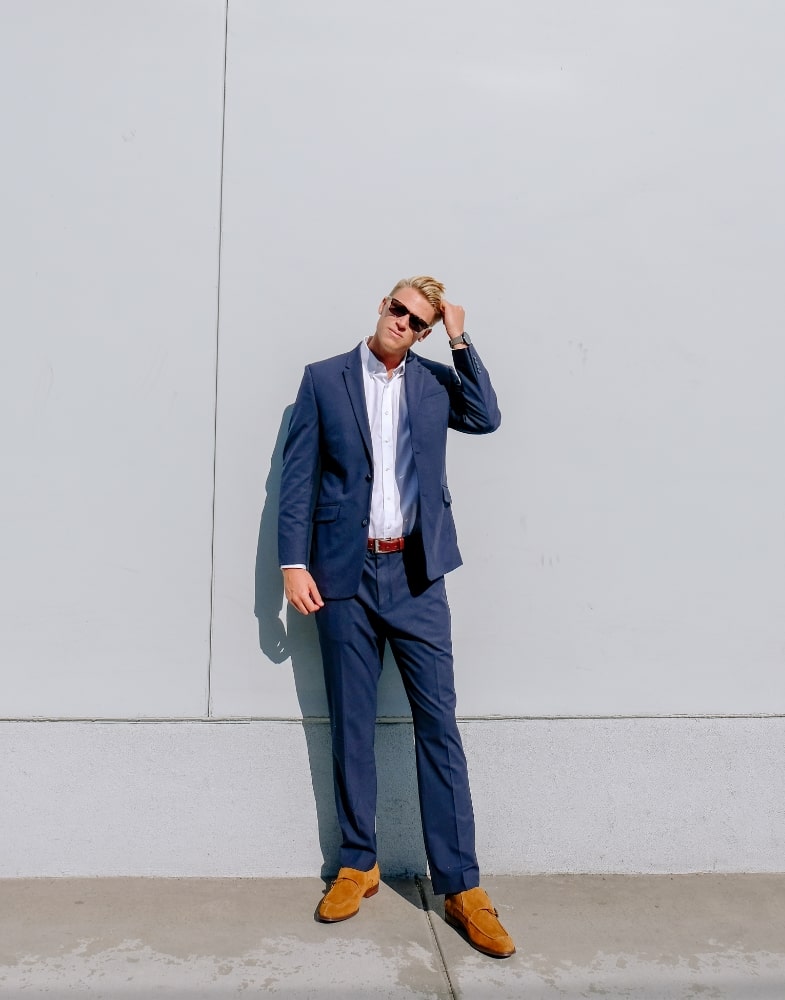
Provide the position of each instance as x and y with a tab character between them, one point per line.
382	720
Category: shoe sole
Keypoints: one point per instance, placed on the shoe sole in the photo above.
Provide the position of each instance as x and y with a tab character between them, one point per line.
456	923
336	920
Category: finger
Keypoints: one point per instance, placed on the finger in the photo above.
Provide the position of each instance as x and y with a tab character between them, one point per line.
303	604
309	605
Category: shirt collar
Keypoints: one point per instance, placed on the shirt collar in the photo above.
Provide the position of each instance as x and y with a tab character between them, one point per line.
376	367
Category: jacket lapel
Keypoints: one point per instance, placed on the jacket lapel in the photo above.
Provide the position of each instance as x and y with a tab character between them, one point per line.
413	383
353	376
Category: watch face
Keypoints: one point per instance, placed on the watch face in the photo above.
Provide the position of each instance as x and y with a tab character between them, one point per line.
466	339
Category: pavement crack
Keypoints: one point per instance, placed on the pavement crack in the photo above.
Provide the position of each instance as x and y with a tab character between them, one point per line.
427	910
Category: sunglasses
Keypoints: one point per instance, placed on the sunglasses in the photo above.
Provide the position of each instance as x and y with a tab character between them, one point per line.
399	309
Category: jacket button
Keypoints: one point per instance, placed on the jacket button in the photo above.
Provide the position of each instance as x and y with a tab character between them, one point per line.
368	478
365	522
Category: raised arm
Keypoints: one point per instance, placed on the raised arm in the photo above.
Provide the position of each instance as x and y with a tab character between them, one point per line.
473	406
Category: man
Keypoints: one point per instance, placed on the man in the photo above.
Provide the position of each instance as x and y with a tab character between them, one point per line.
366	534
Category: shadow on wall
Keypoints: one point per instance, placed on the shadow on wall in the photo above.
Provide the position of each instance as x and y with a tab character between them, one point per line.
398	829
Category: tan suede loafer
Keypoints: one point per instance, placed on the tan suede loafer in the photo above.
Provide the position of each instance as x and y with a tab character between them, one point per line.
346	893
473	912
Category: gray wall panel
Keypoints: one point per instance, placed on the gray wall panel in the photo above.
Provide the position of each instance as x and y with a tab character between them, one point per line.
601	185
111	184
255	798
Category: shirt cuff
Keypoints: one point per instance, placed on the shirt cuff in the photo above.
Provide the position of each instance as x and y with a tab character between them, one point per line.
294	566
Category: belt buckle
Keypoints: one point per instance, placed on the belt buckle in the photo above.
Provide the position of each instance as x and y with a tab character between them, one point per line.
378	543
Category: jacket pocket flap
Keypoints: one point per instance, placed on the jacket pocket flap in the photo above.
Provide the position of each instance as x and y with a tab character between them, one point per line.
326	512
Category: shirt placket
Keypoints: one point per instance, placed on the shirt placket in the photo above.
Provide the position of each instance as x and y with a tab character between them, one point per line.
388	457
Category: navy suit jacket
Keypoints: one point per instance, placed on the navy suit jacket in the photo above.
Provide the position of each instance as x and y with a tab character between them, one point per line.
328	463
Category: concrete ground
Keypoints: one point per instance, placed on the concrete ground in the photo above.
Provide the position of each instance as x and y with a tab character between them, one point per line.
707	937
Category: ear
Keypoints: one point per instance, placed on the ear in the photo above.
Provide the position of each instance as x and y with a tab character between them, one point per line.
382	304
424	334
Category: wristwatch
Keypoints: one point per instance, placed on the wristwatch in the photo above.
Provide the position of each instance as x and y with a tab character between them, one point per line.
461	339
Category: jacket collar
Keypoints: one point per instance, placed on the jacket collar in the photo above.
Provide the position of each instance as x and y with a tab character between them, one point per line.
353	376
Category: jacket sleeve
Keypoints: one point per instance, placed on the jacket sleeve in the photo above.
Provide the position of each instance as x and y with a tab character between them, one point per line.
298	477
473	406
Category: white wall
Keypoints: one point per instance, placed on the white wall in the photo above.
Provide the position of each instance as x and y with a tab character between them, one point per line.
599	184
111	187
254	798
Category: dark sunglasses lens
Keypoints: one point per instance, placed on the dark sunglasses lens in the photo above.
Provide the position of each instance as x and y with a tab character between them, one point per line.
397	308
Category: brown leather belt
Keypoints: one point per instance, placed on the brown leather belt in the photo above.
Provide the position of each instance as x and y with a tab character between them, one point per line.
385	544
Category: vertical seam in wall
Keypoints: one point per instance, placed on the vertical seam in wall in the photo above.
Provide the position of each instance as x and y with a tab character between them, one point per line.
215	390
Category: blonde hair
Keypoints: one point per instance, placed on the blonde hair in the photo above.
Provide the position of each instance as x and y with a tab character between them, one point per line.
432	289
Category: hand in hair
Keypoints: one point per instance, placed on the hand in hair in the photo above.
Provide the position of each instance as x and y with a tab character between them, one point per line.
454	318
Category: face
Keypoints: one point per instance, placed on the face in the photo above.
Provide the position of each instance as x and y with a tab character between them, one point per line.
394	335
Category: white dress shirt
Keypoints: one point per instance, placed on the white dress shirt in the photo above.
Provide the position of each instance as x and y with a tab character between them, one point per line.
395	488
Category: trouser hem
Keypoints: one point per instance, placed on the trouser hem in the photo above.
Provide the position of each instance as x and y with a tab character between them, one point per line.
360	862
468	881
